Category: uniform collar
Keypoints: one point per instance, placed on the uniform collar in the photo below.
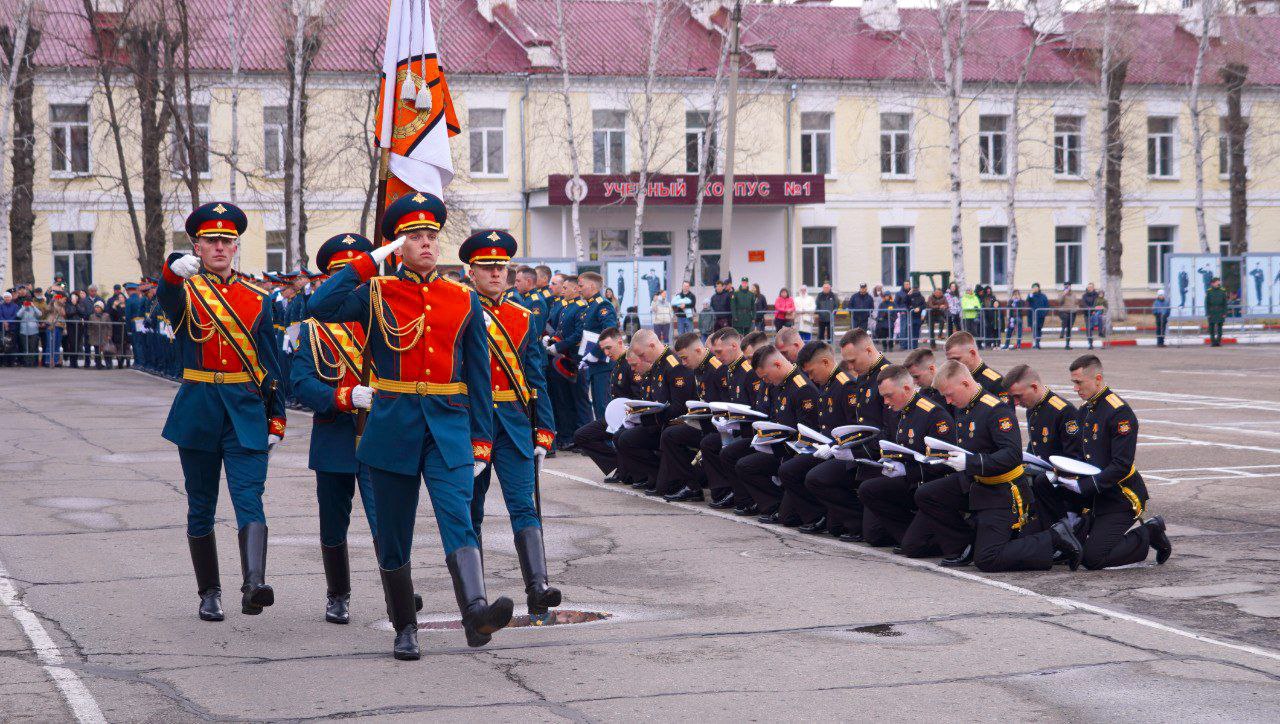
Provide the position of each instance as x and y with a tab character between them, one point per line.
215	277
490	302
1093	401
915	399
705	363
976	396
736	363
982	366
1045	398
409	275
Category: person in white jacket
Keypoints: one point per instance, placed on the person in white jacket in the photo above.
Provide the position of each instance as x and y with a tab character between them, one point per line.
806	313
661	309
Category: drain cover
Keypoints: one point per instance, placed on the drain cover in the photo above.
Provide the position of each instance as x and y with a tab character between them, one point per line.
878	629
557	617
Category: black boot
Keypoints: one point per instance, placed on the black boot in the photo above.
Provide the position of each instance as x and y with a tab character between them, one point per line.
337	576
1159	539
417	599
1066	543
480	619
533	567
204	559
253	564
960	561
397	588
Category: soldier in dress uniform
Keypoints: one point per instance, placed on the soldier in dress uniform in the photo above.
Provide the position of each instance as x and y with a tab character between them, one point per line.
430	413
678	480
325	373
789	343
521	411
229	412
728	386
1053	428
751	390
835	482
1116	497
563	322
794	401
989	481
592	391
962	348
837	407
669	382
625	382
922	364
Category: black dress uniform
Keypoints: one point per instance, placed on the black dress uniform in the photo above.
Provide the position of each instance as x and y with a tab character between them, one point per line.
1117	496
892	499
836	408
992	382
794	402
735	386
593	438
669	382
991	480
760	397
836	482
1053	428
679	443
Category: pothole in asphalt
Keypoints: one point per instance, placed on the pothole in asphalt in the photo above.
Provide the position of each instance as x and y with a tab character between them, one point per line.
556	617
884	630
898	634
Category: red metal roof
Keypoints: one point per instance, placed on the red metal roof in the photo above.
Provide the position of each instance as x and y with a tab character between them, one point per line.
607	38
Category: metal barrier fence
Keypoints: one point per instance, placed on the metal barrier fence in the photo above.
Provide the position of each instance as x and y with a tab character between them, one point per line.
72	343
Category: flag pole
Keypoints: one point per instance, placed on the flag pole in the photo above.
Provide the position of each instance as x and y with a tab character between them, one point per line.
380	209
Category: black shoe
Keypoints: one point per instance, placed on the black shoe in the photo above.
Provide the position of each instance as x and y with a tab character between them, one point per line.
745	510
792	522
653	493
480	619
1066	543
337	576
204	559
568	447
612	477
898	551
533	567
770	518
640	484
1159	539
253	564
960	561
850	537
650	489
684	495
723	502
397	588
817	527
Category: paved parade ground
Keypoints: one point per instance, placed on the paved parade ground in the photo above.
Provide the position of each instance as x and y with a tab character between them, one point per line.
711	617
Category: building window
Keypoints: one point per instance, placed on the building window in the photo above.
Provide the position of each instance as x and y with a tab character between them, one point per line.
1160	149
69	138
895	144
73	258
993	245
895	255
1224	147
815	143
487	132
816	252
200	135
277	257
608	242
655	243
1159	245
609	141
274	131
697	136
1067	142
991	145
1224	240
1068	251
708	256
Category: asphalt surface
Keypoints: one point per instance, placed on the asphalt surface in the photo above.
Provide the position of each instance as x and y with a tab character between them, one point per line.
712	617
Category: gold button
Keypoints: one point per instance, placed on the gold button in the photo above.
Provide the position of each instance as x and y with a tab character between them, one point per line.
224	290
495	388
218	377
431	349
428	307
223	361
428	373
428	329
421	388
495	405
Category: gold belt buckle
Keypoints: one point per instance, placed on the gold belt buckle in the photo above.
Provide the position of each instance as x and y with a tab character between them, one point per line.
218	377
420	388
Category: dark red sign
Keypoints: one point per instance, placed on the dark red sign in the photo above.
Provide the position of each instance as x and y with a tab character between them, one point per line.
670	190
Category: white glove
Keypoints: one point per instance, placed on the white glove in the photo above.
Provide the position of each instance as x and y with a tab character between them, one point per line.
630	421
1052	475
590	358
956	461
764	448
582	365
776	481
723	424
1069	483
893	468
539	454
362	397
186	265
272	440
381	253
824	452
550	345
845	454
478	468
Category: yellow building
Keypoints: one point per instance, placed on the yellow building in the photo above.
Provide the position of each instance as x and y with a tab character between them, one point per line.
845	99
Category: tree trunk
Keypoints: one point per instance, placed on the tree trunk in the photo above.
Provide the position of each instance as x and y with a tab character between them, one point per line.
953	67
13	41
234	30
705	169
1015	161
575	164
301	50
16	239
144	46
1234	76
1112	248
1197	127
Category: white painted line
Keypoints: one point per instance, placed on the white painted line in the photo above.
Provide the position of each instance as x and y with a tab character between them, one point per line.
1210	443
82	704
1066	603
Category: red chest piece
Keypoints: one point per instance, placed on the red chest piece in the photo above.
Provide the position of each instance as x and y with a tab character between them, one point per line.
424	320
245	304
515	321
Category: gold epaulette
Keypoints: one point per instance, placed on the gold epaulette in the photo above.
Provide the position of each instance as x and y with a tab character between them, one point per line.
1114	400
925	404
1056	402
990	374
990	400
842	378
259	290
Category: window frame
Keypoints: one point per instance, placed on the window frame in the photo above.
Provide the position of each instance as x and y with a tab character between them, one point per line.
986	257
1060	246
282	128
1224	145
888	272
1155	154
811	253
68	150
993	145
176	147
695	138
706	250
1154	245
282	250
606	134
1062	148
814	136
893	138
487	134
72	255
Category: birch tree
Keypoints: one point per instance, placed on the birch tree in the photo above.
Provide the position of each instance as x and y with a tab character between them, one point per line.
705	167
1014	154
571	136
300	50
14	43
953	24
1206	11
1234	76
1113	69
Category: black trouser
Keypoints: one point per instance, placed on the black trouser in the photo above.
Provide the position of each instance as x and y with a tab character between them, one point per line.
824	326
1109	542
1215	329
797	499
638	452
718	476
730	454
997	547
939	524
1162	326
756	471
1052	503
676	450
597	444
1068	320
892	501
937	323
834	483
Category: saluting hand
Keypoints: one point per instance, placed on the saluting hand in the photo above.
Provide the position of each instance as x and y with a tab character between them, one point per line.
381	253
362	397
186	266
